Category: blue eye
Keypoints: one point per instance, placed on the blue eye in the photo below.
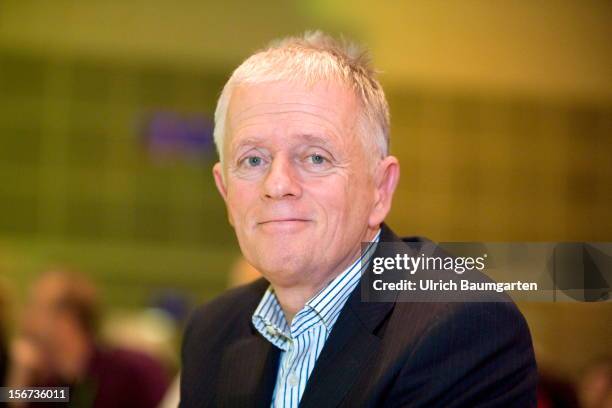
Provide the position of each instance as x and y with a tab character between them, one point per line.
317	158
254	161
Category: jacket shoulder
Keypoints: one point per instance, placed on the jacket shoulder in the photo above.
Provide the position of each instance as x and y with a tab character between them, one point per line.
212	327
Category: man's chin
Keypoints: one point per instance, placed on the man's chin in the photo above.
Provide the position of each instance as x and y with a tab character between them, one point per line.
281	253
284	267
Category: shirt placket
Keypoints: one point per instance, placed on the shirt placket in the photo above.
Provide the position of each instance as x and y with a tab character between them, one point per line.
291	376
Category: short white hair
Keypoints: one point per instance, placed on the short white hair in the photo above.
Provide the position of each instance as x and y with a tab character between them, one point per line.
308	59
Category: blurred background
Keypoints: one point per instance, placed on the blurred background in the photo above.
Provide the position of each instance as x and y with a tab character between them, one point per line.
501	118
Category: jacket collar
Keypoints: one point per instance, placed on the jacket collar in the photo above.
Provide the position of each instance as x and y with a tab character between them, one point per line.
353	341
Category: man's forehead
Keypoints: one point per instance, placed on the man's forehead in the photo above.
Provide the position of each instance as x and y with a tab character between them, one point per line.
316	113
324	97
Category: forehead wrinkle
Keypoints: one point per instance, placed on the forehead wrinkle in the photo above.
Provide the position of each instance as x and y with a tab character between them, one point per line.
243	115
265	104
335	128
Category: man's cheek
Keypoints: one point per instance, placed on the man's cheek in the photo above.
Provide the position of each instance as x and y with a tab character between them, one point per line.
230	217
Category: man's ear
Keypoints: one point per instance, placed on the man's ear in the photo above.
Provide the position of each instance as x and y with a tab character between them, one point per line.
218	175
220	182
386	178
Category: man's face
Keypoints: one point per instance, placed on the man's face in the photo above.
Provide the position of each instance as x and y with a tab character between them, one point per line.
296	180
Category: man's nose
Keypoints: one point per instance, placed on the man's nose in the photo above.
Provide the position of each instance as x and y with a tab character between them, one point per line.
281	181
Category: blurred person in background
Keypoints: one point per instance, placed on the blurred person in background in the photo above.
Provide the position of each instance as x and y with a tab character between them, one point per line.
595	385
154	329
555	392
58	346
242	273
3	339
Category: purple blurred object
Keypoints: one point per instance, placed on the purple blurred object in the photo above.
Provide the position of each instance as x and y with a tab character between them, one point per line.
176	304
175	136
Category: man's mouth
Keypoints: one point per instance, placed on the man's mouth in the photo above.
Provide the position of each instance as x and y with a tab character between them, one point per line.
283	224
283	220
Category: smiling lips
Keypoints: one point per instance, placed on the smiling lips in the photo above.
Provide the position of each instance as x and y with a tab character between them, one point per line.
283	220
284	224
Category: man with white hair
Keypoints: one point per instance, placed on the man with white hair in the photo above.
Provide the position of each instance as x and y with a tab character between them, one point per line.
302	132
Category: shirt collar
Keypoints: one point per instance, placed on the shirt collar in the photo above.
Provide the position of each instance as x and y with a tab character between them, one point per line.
324	307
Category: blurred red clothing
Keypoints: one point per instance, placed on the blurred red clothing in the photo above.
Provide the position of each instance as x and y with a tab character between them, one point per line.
118	378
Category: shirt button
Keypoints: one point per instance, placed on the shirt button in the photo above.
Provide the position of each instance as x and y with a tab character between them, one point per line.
271	330
293	380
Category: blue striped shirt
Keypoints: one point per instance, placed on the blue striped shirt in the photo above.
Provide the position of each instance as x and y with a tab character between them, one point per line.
302	342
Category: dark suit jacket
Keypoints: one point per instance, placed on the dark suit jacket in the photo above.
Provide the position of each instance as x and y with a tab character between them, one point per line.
378	354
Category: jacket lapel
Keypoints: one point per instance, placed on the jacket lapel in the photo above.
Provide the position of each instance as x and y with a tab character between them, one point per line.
248	373
350	345
347	350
